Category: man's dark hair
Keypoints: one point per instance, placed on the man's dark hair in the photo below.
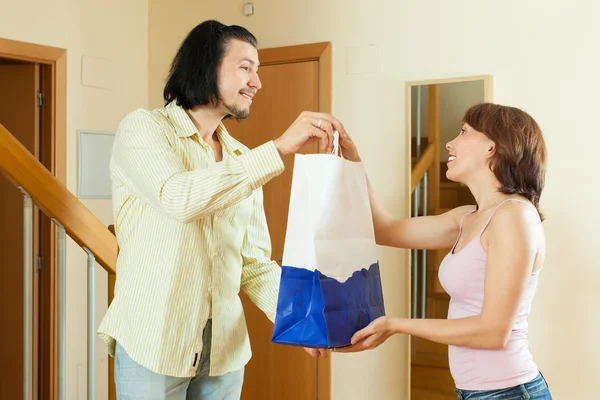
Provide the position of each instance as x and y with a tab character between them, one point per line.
193	75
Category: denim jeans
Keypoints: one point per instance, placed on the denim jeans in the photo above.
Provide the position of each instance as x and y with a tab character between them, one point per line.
535	389
136	382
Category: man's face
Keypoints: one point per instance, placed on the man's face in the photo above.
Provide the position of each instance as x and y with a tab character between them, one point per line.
238	80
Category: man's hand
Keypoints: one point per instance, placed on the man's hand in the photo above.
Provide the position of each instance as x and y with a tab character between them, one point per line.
316	353
309	126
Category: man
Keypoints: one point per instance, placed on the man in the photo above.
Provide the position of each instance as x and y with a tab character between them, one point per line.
191	227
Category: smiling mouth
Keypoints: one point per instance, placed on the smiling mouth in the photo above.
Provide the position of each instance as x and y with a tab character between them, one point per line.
247	96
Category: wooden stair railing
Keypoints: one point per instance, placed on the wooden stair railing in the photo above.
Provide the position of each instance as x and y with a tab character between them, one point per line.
424	163
22	169
56	201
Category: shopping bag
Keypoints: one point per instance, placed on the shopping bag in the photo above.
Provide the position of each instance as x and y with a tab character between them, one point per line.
330	283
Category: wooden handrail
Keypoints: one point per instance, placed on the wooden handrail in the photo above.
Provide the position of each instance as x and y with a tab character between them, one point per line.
422	166
56	201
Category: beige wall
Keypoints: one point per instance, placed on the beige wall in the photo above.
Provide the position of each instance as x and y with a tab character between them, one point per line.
113	30
543	59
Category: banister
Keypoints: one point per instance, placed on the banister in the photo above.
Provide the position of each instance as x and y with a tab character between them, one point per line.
56	201
422	166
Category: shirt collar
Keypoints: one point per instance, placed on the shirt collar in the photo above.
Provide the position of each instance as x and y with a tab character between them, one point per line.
184	127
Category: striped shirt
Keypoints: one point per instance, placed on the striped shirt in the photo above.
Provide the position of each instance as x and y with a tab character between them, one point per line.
191	233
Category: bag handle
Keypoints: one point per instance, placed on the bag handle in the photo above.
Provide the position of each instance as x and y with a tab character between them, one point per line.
337	151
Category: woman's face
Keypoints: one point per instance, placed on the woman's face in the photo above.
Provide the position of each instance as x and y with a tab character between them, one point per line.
468	153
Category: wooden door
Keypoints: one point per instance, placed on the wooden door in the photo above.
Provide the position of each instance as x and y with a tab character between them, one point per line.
19	113
277	372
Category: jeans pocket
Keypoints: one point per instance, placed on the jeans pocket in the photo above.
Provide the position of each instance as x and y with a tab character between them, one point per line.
116	364
118	356
125	366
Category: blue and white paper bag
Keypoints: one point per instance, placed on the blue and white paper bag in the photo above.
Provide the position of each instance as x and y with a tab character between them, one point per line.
330	284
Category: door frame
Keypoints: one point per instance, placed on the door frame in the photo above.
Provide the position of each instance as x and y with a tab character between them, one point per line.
488	91
322	53
53	132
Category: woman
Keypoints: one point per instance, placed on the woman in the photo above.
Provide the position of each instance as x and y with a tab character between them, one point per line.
498	249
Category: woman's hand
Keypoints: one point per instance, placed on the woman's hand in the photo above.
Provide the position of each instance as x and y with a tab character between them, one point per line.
349	150
372	336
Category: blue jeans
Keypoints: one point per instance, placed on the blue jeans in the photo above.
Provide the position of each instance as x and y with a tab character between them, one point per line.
535	389
136	382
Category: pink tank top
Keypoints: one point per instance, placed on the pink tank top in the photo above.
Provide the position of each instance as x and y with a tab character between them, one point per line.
462	276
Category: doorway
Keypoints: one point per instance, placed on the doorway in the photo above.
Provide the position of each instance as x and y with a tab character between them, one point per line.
434	114
33	109
20	114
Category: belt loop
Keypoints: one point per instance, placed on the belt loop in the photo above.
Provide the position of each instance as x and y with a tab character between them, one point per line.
525	392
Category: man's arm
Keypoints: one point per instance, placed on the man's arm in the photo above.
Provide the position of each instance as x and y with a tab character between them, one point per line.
145	161
260	275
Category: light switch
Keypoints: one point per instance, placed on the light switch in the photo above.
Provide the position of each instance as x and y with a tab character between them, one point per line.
248	9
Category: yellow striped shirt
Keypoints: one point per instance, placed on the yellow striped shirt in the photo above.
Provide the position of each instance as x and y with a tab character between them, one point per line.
191	233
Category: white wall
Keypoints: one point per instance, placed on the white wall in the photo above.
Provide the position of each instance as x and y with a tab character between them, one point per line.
117	31
543	59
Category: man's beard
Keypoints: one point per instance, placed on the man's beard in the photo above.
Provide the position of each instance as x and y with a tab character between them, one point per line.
237	112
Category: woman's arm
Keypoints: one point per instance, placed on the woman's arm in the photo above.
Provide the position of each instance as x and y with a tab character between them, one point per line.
432	232
513	239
